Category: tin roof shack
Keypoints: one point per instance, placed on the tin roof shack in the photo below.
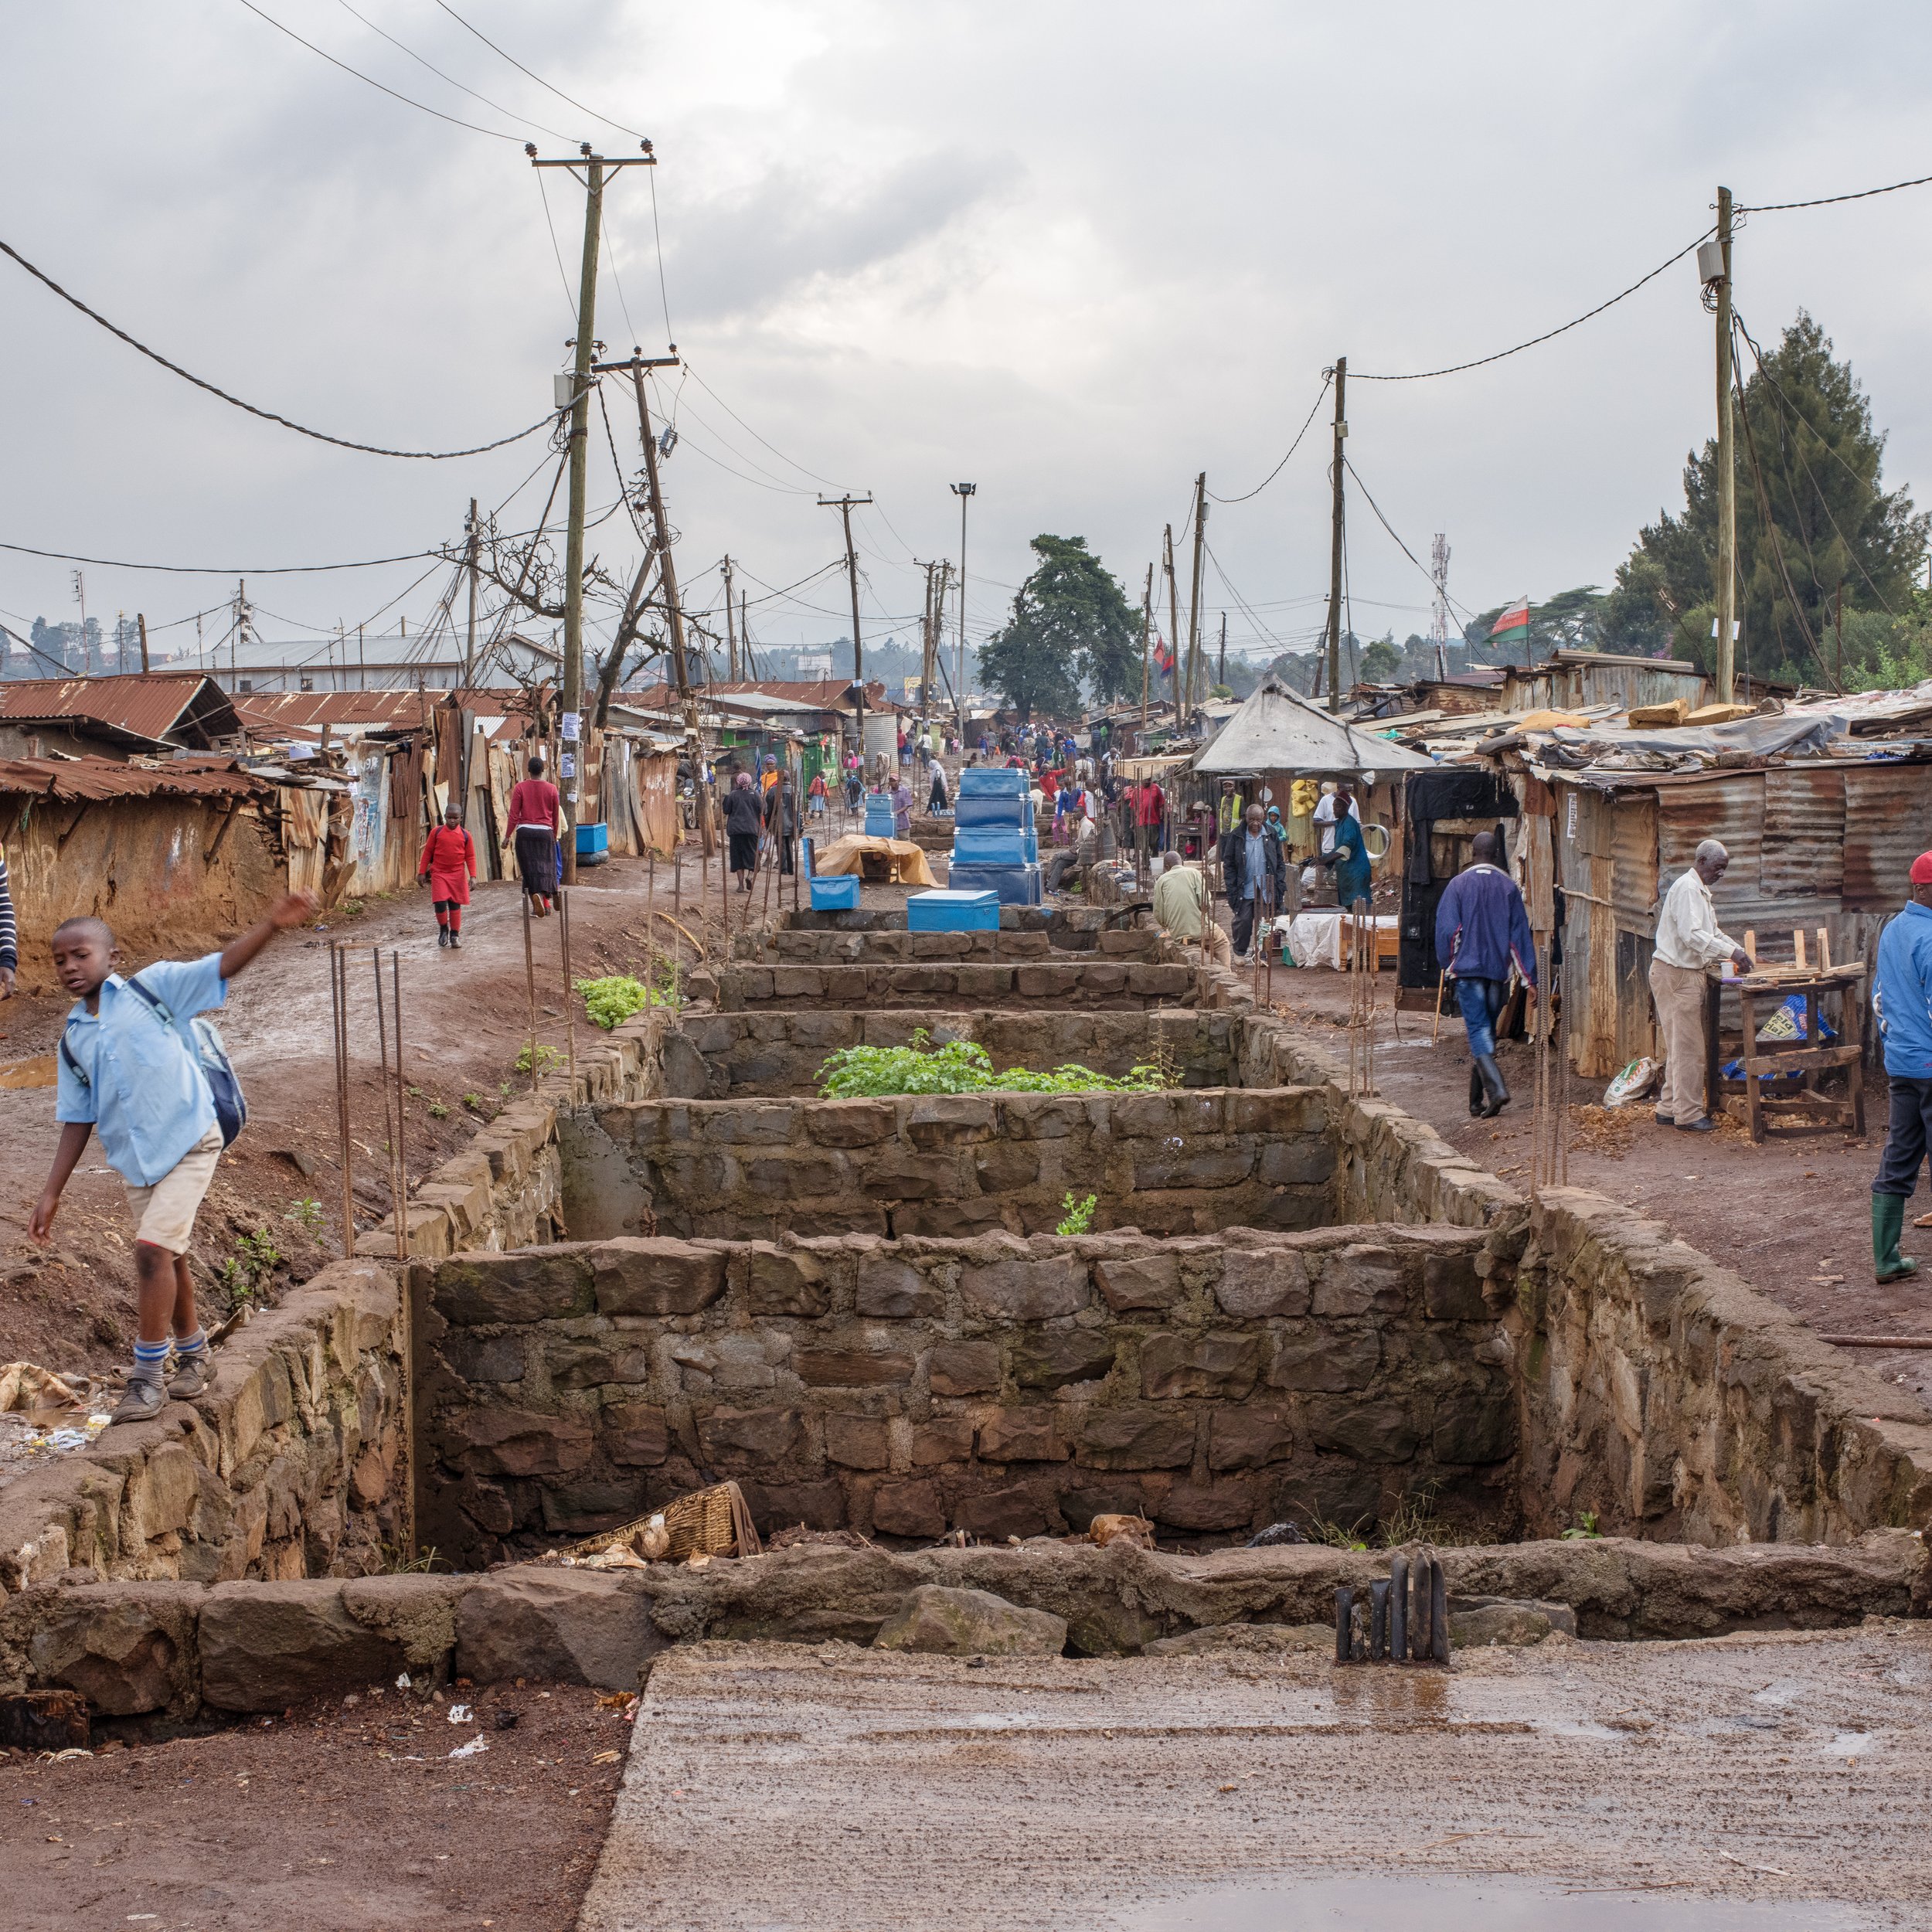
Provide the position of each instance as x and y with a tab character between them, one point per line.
114	717
1478	689
174	858
1577	680
1822	826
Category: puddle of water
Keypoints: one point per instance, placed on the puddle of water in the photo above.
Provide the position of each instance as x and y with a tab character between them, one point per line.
1474	1904
1391	1692
1851	1744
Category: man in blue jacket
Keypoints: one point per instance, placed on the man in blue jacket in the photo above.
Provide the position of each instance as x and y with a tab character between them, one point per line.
1481	930
1902	999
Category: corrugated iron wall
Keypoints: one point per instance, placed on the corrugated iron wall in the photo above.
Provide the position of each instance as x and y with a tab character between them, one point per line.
1888	823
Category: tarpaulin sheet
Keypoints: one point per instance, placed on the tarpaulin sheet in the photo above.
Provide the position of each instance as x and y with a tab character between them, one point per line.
846	855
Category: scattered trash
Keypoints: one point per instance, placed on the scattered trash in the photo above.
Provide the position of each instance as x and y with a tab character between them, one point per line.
1136	1531
604	1757
474	1748
506	1720
1276	1533
402	1682
460	1714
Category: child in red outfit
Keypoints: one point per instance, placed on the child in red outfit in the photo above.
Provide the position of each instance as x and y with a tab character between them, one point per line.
448	867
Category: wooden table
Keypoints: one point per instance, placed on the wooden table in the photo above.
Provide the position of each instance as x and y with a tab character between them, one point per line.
1807	1111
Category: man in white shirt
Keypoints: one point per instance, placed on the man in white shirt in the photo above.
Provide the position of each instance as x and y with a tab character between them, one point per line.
1688	943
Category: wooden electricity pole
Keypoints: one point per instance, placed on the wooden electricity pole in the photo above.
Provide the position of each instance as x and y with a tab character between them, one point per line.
1726	470
141	624
1334	548
843	505
731	627
572	693
469	648
1221	670
1147	626
1173	617
1194	592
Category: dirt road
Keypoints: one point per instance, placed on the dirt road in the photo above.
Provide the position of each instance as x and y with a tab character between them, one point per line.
71	1306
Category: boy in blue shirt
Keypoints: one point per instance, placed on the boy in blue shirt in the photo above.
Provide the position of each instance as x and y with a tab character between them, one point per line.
128	1073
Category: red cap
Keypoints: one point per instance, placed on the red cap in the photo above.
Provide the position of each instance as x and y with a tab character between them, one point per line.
1922	869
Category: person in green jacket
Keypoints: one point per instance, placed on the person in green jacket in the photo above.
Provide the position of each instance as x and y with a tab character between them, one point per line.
1348	856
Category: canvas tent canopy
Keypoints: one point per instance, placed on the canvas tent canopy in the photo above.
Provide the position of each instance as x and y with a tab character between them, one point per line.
1276	729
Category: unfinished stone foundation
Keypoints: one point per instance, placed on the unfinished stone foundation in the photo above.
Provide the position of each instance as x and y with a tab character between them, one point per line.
1295	1304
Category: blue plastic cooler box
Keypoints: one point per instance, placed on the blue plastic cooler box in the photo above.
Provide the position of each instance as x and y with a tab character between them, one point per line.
953	912
993	781
879	815
1015	885
994	845
997	809
593	844
836	895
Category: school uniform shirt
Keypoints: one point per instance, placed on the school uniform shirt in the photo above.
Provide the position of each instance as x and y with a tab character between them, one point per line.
145	1094
532	802
449	858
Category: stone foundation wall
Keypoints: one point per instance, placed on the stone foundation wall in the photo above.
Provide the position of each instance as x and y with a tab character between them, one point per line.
1066	929
289	1466
1005	1388
1121	984
726	1055
789	948
1166	1163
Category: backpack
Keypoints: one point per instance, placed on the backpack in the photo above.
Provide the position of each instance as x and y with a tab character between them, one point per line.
203	1039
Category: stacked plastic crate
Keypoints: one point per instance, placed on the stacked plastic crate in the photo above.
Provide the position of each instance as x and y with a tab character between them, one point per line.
994	846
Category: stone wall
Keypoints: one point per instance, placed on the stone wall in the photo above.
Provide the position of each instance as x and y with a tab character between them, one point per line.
1121	984
724	1056
287	1467
1006	1387
1066	929
1166	1163
789	948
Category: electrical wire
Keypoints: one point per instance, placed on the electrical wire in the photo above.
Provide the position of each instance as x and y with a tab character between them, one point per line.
1468	615
1829	201
610	255
657	235
1327	376
563	276
537	78
1482	361
217	569
743	424
495	133
495	106
269	416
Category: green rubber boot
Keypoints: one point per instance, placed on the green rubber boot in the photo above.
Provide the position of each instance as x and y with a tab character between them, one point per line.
1888	1225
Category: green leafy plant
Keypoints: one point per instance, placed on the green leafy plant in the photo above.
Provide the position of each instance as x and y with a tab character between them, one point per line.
958	1066
249	1269
545	1057
474	1102
439	1111
306	1214
1583	1527
503	1088
1077	1217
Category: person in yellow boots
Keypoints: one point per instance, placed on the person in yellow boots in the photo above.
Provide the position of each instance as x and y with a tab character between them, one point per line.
1901	999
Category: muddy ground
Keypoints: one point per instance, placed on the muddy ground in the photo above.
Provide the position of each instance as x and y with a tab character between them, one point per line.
70	1306
883	1791
344	1814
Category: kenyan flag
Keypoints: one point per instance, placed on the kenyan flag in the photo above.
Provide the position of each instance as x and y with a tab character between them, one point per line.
1516	617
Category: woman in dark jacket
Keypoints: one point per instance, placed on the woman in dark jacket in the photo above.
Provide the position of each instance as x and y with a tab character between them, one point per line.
743	824
781	820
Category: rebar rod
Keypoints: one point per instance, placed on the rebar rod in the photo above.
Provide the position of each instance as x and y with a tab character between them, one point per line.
338	1004
569	983
402	1161
529	979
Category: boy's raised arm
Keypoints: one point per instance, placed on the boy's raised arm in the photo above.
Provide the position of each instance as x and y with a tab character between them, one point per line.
292	909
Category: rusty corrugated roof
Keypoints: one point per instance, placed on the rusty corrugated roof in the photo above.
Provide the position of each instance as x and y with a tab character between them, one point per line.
149	708
262	712
77	779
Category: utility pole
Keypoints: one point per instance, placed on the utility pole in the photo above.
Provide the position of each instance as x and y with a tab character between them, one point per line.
1334	550
571	694
80	598
141	624
1173	618
1726	470
731	627
962	491
1194	592
469	647
235	632
1147	626
843	505
928	642
1221	674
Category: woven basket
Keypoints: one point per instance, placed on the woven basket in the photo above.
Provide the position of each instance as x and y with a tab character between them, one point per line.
709	1522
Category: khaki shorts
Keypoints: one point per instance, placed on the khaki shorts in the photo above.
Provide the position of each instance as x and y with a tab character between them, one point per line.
165	1213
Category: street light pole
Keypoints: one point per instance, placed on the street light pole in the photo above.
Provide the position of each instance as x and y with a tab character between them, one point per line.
962	491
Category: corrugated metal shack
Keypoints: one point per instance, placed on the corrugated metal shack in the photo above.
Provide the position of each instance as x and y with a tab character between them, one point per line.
1574	680
1823	807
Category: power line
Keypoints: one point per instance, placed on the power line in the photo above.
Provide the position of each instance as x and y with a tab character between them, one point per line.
1327	376
496	106
658	236
743	425
1828	201
1469	616
495	133
1481	362
217	569
268	416
537	78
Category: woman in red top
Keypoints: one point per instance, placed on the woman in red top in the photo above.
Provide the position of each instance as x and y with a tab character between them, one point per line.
535	821
448	869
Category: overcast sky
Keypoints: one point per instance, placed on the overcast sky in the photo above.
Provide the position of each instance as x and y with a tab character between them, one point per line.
1072	252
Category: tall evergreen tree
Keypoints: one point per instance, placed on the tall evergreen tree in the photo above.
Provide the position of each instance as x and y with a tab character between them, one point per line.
1808	421
1071	625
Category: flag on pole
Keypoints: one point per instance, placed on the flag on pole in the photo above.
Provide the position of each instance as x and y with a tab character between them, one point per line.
1163	656
1516	617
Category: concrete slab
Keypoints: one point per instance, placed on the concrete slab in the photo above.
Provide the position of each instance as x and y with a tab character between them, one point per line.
1767	1781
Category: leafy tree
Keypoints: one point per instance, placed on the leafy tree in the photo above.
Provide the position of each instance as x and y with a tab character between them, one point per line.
1831	523
1381	661
1568	621
1071	624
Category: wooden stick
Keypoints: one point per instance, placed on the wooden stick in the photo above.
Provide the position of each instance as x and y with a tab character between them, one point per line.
1878	1340
1442	979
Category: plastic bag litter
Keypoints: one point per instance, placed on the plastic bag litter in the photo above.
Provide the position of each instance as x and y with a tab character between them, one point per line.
1633	1083
474	1748
461	1714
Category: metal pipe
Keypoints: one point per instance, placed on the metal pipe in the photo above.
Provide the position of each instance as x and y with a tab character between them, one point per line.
1439	1611
402	1163
382	1044
569	984
1379	1620
1344	1625
1419	1602
529	979
339	1003
1398	1608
